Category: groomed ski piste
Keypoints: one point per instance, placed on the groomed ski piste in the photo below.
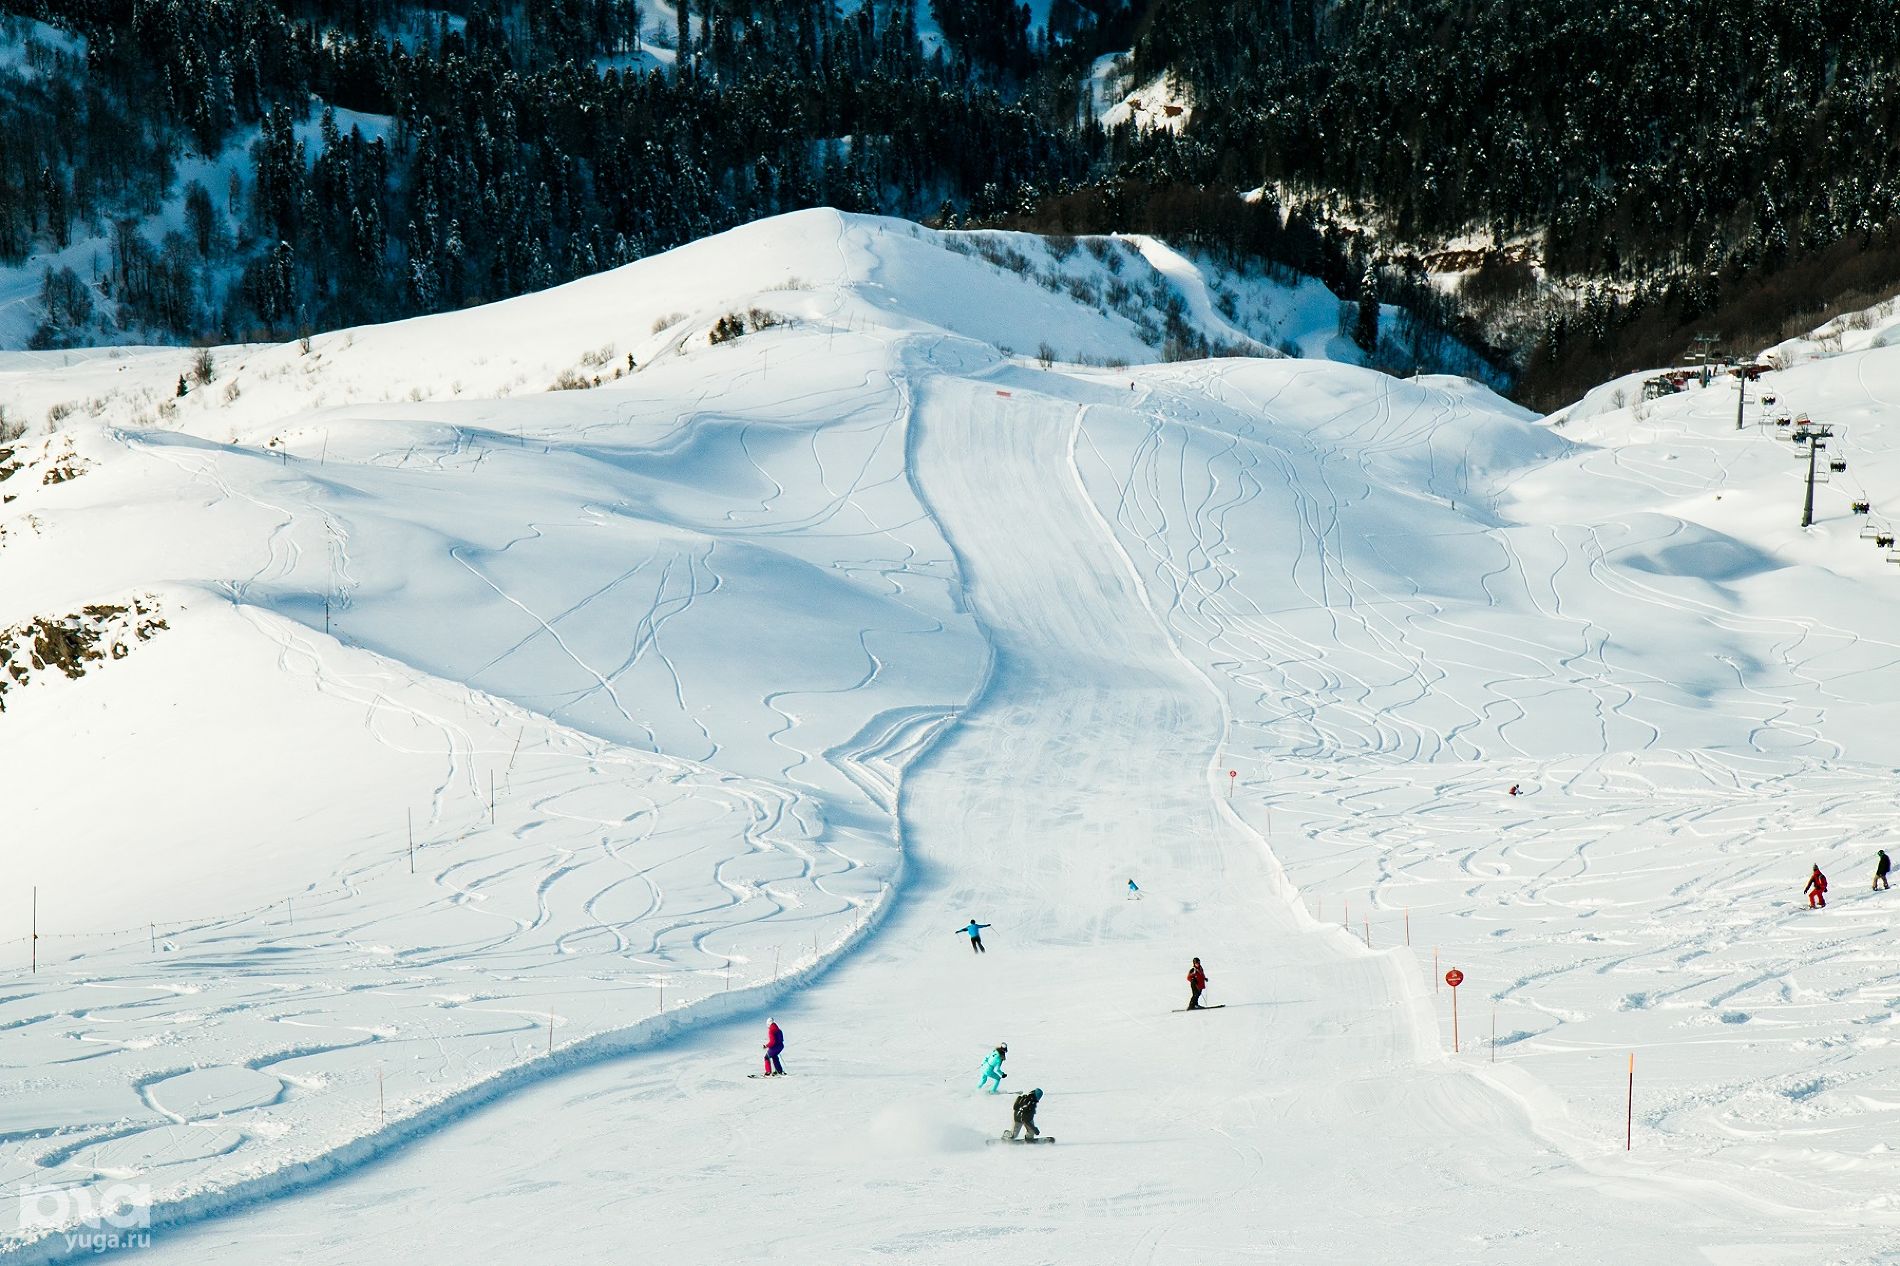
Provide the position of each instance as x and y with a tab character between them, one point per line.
459	773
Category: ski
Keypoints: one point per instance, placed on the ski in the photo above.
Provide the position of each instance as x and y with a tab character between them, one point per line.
1046	1138
765	1076
1215	1006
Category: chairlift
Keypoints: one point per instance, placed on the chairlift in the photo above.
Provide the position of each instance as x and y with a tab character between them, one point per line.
1784	420
1837	464
1883	542
1768	399
1862	507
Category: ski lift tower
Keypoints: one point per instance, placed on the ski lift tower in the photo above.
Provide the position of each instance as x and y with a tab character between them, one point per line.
1704	343
1815	438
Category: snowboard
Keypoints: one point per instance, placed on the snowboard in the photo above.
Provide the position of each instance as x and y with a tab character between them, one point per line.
1045	1138
1211	1006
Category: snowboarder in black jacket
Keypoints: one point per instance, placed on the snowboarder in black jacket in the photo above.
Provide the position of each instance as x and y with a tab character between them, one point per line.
1881	867
1025	1116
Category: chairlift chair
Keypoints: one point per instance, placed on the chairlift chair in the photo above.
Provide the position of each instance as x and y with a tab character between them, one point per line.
1837	464
1862	507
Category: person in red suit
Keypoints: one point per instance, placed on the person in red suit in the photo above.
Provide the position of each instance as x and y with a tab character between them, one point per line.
1816	889
774	1043
1197	982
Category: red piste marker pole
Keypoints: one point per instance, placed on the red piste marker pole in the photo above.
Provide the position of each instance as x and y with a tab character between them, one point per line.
1233	776
1454	978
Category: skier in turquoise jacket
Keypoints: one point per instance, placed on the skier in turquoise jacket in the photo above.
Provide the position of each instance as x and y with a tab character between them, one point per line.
993	1073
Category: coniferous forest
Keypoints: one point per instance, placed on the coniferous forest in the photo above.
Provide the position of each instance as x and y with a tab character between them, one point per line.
1671	167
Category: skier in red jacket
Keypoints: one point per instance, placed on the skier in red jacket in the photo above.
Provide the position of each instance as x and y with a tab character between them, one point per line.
1197	982
774	1043
1816	889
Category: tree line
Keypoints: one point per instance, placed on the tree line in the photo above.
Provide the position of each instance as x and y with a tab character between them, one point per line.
1674	162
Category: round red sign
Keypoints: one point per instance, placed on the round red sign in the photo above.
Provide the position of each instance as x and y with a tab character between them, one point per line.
1454	978
1233	773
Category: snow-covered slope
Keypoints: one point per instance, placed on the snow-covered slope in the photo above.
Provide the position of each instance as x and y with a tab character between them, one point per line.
1875	327
744	678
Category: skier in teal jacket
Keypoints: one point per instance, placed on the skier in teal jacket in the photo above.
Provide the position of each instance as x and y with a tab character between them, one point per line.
993	1073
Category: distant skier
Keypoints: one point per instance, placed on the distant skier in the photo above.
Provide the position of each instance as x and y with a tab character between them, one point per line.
1197	983
774	1043
993	1073
1134	893
974	931
1881	867
1024	1116
1514	789
1816	890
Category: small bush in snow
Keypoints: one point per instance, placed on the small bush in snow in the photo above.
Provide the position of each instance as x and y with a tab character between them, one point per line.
1061	245
64	409
598	357
11	429
1045	354
738	324
1002	256
669	320
1182	346
572	380
203	367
